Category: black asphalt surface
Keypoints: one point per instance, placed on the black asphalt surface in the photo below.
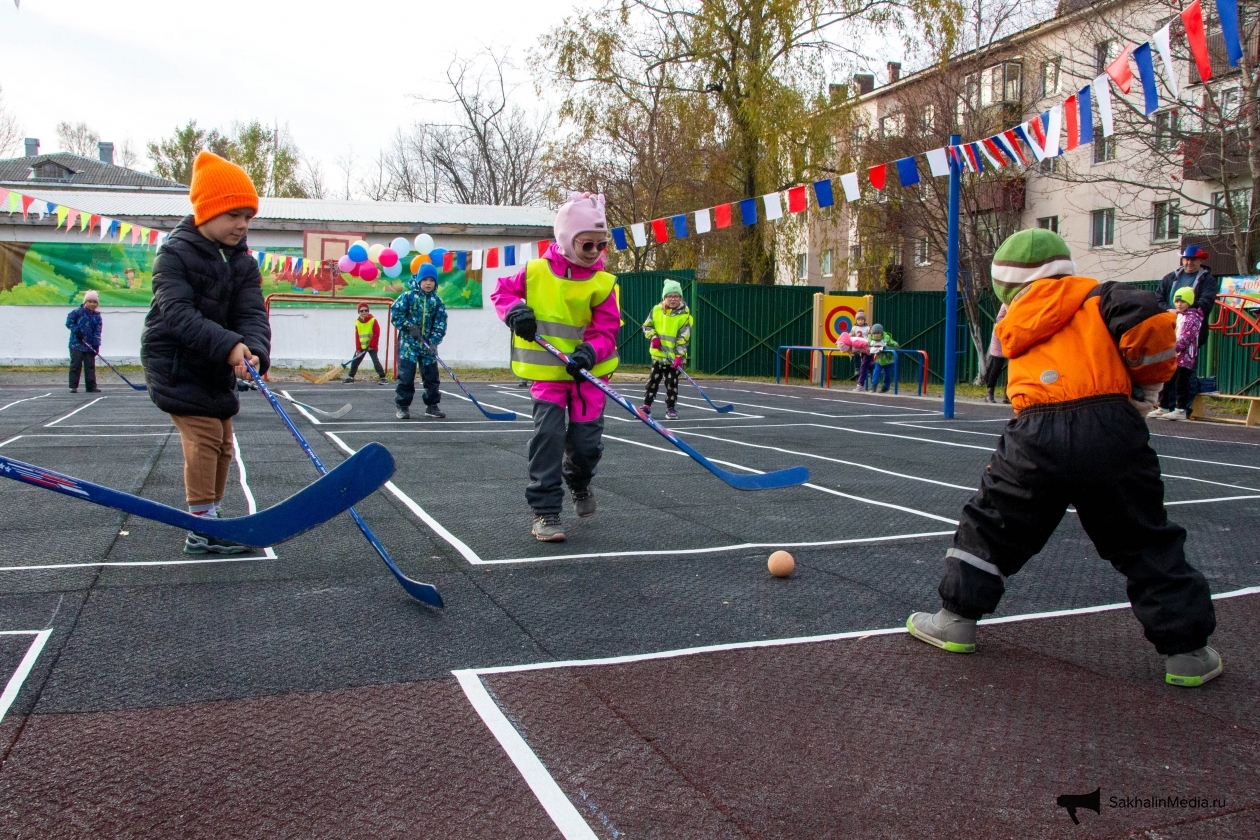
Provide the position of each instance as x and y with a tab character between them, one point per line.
136	629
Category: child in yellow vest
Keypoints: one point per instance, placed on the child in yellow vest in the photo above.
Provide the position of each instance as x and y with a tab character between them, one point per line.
569	299
668	331
367	341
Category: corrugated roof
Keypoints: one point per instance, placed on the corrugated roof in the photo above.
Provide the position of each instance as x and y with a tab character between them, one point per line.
126	205
78	171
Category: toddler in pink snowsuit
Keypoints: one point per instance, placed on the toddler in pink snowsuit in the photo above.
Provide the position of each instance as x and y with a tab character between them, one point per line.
561	452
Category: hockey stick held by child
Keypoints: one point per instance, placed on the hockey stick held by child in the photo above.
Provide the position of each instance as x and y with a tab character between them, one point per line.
491	415
85	348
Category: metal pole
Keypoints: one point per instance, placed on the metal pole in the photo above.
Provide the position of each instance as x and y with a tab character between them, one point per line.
951	281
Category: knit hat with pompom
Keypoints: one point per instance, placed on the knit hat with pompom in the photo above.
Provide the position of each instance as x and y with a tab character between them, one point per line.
1027	256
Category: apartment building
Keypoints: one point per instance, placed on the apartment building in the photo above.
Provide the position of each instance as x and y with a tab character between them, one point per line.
1124	203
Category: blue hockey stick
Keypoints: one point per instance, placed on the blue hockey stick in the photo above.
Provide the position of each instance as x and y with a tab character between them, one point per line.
115	370
492	415
764	481
355	479
720	409
423	592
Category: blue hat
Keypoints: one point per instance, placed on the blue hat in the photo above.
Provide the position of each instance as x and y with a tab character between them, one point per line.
428	271
1194	252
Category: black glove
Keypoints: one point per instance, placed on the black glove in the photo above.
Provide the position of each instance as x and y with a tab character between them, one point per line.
582	358
520	320
415	333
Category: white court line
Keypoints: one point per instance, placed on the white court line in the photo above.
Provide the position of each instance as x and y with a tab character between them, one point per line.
1205	440
1208	501
118	426
99	435
831	399
553	799
302	410
838	461
455	542
819	413
943	429
467	400
14	685
1217	483
1201	461
958	420
76	411
429	430
734	547
26	399
810	485
898	437
250	505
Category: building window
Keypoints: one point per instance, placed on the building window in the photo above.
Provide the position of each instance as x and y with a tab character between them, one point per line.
824	263
1104	53
1229	104
927	120
1239	203
1050	223
894	255
922	256
1165	221
1166	130
1049	166
802	266
1049	79
1102	228
1104	147
893	125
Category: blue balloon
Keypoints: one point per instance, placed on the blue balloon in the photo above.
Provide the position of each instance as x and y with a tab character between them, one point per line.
357	253
437	255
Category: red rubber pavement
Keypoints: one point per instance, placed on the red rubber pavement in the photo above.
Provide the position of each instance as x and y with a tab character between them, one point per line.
886	737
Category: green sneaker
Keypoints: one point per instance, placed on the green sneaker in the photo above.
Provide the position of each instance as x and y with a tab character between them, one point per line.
945	630
1193	669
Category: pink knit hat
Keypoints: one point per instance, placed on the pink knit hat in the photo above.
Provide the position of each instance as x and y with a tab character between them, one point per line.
581	213
91	294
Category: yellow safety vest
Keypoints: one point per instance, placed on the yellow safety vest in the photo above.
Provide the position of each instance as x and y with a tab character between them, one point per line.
563	310
669	326
365	332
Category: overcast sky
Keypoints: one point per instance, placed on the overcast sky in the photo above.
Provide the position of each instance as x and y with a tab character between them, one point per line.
339	73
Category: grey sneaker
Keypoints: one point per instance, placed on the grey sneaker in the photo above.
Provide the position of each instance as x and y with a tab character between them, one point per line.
432	412
584	503
402	414
349	380
196	543
1194	668
945	630
547	528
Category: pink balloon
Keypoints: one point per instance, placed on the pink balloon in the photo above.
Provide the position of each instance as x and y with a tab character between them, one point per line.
389	258
369	272
345	263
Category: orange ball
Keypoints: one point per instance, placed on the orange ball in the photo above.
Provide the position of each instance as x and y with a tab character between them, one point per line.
781	564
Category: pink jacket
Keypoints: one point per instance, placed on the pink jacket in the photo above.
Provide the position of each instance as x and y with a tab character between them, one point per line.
995	346
601	333
1188	325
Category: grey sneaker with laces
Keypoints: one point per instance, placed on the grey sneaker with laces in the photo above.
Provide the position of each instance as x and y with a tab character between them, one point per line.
1193	669
196	543
945	630
547	528
402	414
584	503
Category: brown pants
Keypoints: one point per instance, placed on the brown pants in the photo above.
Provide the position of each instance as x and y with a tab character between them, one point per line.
207	445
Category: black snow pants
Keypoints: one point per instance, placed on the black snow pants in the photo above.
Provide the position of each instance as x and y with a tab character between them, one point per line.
556	452
1094	454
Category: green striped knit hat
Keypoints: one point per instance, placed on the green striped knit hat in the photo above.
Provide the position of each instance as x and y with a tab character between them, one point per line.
1027	256
672	287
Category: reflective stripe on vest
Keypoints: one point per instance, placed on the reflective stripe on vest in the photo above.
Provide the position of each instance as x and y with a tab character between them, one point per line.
563	309
365	332
668	327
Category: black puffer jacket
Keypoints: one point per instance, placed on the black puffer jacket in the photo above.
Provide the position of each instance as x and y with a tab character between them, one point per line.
207	298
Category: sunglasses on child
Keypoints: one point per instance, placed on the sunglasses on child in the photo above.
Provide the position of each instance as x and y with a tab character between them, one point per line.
594	246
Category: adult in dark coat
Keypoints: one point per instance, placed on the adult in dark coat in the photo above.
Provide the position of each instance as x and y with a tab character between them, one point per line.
1196	275
207	298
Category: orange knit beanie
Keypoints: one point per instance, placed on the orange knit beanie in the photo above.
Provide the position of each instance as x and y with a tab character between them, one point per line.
218	186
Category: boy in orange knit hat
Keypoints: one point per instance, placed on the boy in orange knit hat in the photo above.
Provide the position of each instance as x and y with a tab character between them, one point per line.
207	318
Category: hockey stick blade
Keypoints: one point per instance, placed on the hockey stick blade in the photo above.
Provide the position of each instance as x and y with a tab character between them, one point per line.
354	479
336	415
491	415
720	409
133	386
424	592
762	481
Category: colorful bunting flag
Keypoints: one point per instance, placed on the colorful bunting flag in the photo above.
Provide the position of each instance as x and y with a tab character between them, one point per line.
1119	70
1070	111
509	257
702	221
492	258
722	215
27	201
680	226
476	259
658	230
748	211
974	158
849	181
938	162
1102	92
796	200
773	205
1146	72
878	175
62	213
1054	130
907	171
543	246
619	238
1192	19
1011	138
1227	10
823	194
639	234
1086	115
992	153
461	260
1162	40
448	261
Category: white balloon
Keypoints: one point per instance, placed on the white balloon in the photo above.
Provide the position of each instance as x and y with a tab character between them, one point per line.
402	246
393	270
424	243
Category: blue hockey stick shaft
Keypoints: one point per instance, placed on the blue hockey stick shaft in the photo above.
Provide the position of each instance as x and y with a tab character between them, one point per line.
353	480
493	415
720	409
423	592
114	369
758	481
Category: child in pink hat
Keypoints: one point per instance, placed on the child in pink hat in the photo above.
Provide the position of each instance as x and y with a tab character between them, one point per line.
569	299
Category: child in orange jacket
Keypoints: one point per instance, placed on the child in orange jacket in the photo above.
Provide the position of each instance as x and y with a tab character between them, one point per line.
1079	352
